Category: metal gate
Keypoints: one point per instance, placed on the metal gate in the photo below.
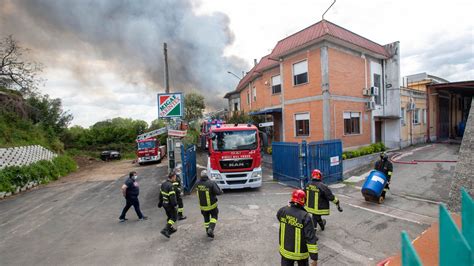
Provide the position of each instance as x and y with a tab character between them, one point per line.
293	162
188	158
327	157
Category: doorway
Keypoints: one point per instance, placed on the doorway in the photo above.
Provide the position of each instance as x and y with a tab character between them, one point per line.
378	131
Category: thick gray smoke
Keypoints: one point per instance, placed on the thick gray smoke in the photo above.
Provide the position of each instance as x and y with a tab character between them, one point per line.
128	37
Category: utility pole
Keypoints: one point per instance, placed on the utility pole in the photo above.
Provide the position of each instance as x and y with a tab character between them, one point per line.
167	82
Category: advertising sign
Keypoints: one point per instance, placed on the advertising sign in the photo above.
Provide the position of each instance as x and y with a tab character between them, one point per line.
170	105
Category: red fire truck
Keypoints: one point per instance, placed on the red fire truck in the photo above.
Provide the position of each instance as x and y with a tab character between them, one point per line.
235	159
149	148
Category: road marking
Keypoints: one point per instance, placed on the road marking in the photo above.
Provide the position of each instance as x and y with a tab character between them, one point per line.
338	185
383	213
355	179
338	248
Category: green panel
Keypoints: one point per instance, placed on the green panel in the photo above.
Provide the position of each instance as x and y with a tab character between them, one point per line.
453	248
409	256
467	218
176	111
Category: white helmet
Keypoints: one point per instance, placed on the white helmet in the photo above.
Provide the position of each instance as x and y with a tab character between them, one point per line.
204	173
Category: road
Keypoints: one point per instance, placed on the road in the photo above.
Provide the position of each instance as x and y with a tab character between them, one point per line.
76	223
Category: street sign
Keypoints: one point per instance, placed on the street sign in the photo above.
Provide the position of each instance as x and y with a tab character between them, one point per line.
266	124
170	105
152	133
177	133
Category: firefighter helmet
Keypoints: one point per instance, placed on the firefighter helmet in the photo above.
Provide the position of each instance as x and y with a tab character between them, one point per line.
316	174
384	156
298	196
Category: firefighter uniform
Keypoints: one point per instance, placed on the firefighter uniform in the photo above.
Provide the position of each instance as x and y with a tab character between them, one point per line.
298	240
168	200
317	201
207	191
179	198
385	166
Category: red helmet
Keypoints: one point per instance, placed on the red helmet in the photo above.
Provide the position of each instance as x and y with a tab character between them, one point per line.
298	196
316	174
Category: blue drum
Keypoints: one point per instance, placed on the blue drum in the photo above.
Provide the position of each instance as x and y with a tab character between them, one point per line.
374	184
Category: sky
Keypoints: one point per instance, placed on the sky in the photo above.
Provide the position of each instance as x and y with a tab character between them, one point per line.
104	58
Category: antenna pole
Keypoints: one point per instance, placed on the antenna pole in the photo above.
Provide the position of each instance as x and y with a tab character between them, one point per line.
329	8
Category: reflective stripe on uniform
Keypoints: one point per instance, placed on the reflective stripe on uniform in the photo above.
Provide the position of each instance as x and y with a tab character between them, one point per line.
389	173
293	256
209	208
312	248
175	184
336	200
320	212
167	193
213	220
180	209
206	224
208	199
297	240
171	222
282	235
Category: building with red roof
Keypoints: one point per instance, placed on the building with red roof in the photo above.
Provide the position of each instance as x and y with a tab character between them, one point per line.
326	82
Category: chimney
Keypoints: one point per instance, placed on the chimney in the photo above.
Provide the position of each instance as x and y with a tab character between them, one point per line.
254	62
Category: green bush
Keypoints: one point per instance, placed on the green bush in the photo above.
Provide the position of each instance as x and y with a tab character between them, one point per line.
366	150
41	172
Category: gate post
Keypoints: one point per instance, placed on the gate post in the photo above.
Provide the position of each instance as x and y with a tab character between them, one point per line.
303	163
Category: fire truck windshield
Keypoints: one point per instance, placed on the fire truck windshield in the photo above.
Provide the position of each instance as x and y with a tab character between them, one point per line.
146	145
235	140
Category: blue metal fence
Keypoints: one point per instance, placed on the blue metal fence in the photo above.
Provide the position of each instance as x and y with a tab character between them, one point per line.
327	157
293	162
286	161
188	157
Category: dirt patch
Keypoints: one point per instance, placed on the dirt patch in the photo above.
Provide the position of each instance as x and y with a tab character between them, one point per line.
96	170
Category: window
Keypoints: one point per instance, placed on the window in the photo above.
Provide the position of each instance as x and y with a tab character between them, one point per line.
236	106
276	84
424	116
378	84
235	140
416	116
351	123
302	124
402	116
254	92
300	73
248	97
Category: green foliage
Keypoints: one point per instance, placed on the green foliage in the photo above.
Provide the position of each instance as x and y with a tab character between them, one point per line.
372	148
41	172
49	113
193	106
192	137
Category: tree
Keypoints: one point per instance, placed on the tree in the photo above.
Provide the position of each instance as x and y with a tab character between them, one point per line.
49	113
15	72
193	106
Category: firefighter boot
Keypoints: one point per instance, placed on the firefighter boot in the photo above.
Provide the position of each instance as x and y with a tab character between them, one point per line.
322	224
166	231
210	230
172	230
181	216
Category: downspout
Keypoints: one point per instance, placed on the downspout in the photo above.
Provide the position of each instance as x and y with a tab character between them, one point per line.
282	81
427	91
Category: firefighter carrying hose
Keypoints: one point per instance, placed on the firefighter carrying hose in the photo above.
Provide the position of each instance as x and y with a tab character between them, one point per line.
179	197
385	166
318	198
207	191
298	239
169	202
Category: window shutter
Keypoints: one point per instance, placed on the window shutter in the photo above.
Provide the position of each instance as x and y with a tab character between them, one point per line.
304	116
276	80
300	68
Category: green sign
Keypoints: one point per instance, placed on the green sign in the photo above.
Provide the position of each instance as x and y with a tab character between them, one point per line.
170	105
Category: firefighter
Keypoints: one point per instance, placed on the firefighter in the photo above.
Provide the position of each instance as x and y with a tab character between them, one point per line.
385	166
207	191
298	239
319	196
169	202
179	197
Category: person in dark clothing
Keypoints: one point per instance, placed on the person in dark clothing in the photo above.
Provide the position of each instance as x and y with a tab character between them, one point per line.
179	197
169	202
318	198
385	166
298	240
207	191
130	191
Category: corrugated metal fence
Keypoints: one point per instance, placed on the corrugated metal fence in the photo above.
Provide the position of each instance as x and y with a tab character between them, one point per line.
188	158
293	162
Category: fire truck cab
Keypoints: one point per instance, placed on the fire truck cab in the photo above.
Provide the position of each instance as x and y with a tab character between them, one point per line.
235	159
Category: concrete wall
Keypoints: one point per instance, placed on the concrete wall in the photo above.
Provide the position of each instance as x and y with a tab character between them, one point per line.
463	174
20	156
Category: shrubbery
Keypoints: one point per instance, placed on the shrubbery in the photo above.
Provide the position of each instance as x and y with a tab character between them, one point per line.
41	172
372	148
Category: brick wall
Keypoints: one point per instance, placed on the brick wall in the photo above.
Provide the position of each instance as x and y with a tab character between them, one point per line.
346	73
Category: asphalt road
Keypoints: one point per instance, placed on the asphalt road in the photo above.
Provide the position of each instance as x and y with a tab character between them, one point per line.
77	222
